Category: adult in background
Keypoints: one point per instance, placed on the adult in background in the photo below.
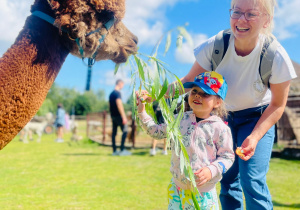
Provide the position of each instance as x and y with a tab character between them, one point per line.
59	123
253	107
119	118
160	120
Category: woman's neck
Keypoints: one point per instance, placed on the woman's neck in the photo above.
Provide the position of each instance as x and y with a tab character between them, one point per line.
244	47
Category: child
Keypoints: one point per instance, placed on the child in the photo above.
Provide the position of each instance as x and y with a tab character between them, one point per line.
206	137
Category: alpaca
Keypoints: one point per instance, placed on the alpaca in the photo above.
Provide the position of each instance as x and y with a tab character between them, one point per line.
36	125
30	66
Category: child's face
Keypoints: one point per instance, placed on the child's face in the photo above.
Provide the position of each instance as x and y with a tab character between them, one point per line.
202	103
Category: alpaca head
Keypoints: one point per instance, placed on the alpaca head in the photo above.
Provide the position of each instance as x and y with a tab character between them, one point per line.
81	17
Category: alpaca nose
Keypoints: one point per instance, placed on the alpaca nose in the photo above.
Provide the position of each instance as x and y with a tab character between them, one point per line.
135	39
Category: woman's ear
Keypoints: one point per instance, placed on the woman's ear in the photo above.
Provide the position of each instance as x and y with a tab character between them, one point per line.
267	22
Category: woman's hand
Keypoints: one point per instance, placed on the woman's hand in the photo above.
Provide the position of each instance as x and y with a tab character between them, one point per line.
203	175
248	148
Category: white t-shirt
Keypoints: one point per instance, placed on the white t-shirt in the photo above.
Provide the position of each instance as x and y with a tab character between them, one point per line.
245	88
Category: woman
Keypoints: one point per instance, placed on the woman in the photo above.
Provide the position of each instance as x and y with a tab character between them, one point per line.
253	108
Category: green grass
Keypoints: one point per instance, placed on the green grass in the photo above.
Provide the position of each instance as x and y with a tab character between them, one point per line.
50	175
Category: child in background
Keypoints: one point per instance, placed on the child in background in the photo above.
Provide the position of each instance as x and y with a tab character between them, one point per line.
60	123
207	139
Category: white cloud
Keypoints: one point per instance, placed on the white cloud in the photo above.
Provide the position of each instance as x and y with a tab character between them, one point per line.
146	19
110	78
287	19
13	15
186	53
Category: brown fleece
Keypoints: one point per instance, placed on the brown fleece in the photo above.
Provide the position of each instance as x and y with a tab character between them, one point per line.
30	66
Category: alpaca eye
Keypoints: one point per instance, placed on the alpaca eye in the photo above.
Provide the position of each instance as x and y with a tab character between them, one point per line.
104	16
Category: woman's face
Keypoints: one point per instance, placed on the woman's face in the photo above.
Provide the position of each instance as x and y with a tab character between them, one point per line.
248	30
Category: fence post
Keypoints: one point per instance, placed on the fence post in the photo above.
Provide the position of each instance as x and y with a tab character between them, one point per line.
87	125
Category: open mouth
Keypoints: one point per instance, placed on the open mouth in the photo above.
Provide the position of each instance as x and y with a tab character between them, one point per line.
241	29
197	102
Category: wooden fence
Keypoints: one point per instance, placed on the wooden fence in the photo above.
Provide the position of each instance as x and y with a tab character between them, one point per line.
99	126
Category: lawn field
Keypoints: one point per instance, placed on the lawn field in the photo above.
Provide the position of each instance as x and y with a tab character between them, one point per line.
51	175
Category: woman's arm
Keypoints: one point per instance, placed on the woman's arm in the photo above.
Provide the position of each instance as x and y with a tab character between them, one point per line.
270	116
194	71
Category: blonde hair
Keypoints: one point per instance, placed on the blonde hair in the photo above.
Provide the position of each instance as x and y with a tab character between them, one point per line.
269	7
221	110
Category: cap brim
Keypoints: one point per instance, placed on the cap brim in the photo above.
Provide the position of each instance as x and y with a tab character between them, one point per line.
204	87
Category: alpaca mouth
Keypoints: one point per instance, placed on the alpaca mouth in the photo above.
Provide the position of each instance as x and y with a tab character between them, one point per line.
124	53
122	56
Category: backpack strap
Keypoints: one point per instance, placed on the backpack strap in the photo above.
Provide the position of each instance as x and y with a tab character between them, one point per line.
266	60
220	48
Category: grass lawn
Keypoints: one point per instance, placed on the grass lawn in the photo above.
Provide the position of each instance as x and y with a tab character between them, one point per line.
51	175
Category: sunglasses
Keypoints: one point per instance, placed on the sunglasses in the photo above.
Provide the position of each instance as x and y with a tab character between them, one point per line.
200	93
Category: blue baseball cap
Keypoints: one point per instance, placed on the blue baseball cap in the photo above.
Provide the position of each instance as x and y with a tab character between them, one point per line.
211	83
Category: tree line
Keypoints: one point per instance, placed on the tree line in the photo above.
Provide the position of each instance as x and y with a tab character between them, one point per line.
75	102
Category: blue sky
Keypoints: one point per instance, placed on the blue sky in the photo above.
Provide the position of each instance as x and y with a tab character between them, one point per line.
149	20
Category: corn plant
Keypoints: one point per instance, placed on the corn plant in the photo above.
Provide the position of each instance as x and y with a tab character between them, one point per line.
150	73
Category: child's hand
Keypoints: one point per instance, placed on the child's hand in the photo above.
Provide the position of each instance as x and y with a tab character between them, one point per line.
140	100
203	175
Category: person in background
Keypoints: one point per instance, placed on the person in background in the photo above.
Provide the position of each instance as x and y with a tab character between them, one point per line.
160	120
59	123
118	118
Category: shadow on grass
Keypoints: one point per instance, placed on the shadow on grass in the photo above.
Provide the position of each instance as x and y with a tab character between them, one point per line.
141	153
287	154
81	154
296	206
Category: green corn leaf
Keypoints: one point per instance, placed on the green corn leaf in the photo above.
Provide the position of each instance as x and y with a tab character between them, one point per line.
156	80
196	204
179	42
185	34
168	43
182	162
164	89
173	105
116	68
178	119
140	68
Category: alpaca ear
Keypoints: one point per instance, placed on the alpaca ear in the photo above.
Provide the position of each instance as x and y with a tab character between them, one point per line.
115	6
54	4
